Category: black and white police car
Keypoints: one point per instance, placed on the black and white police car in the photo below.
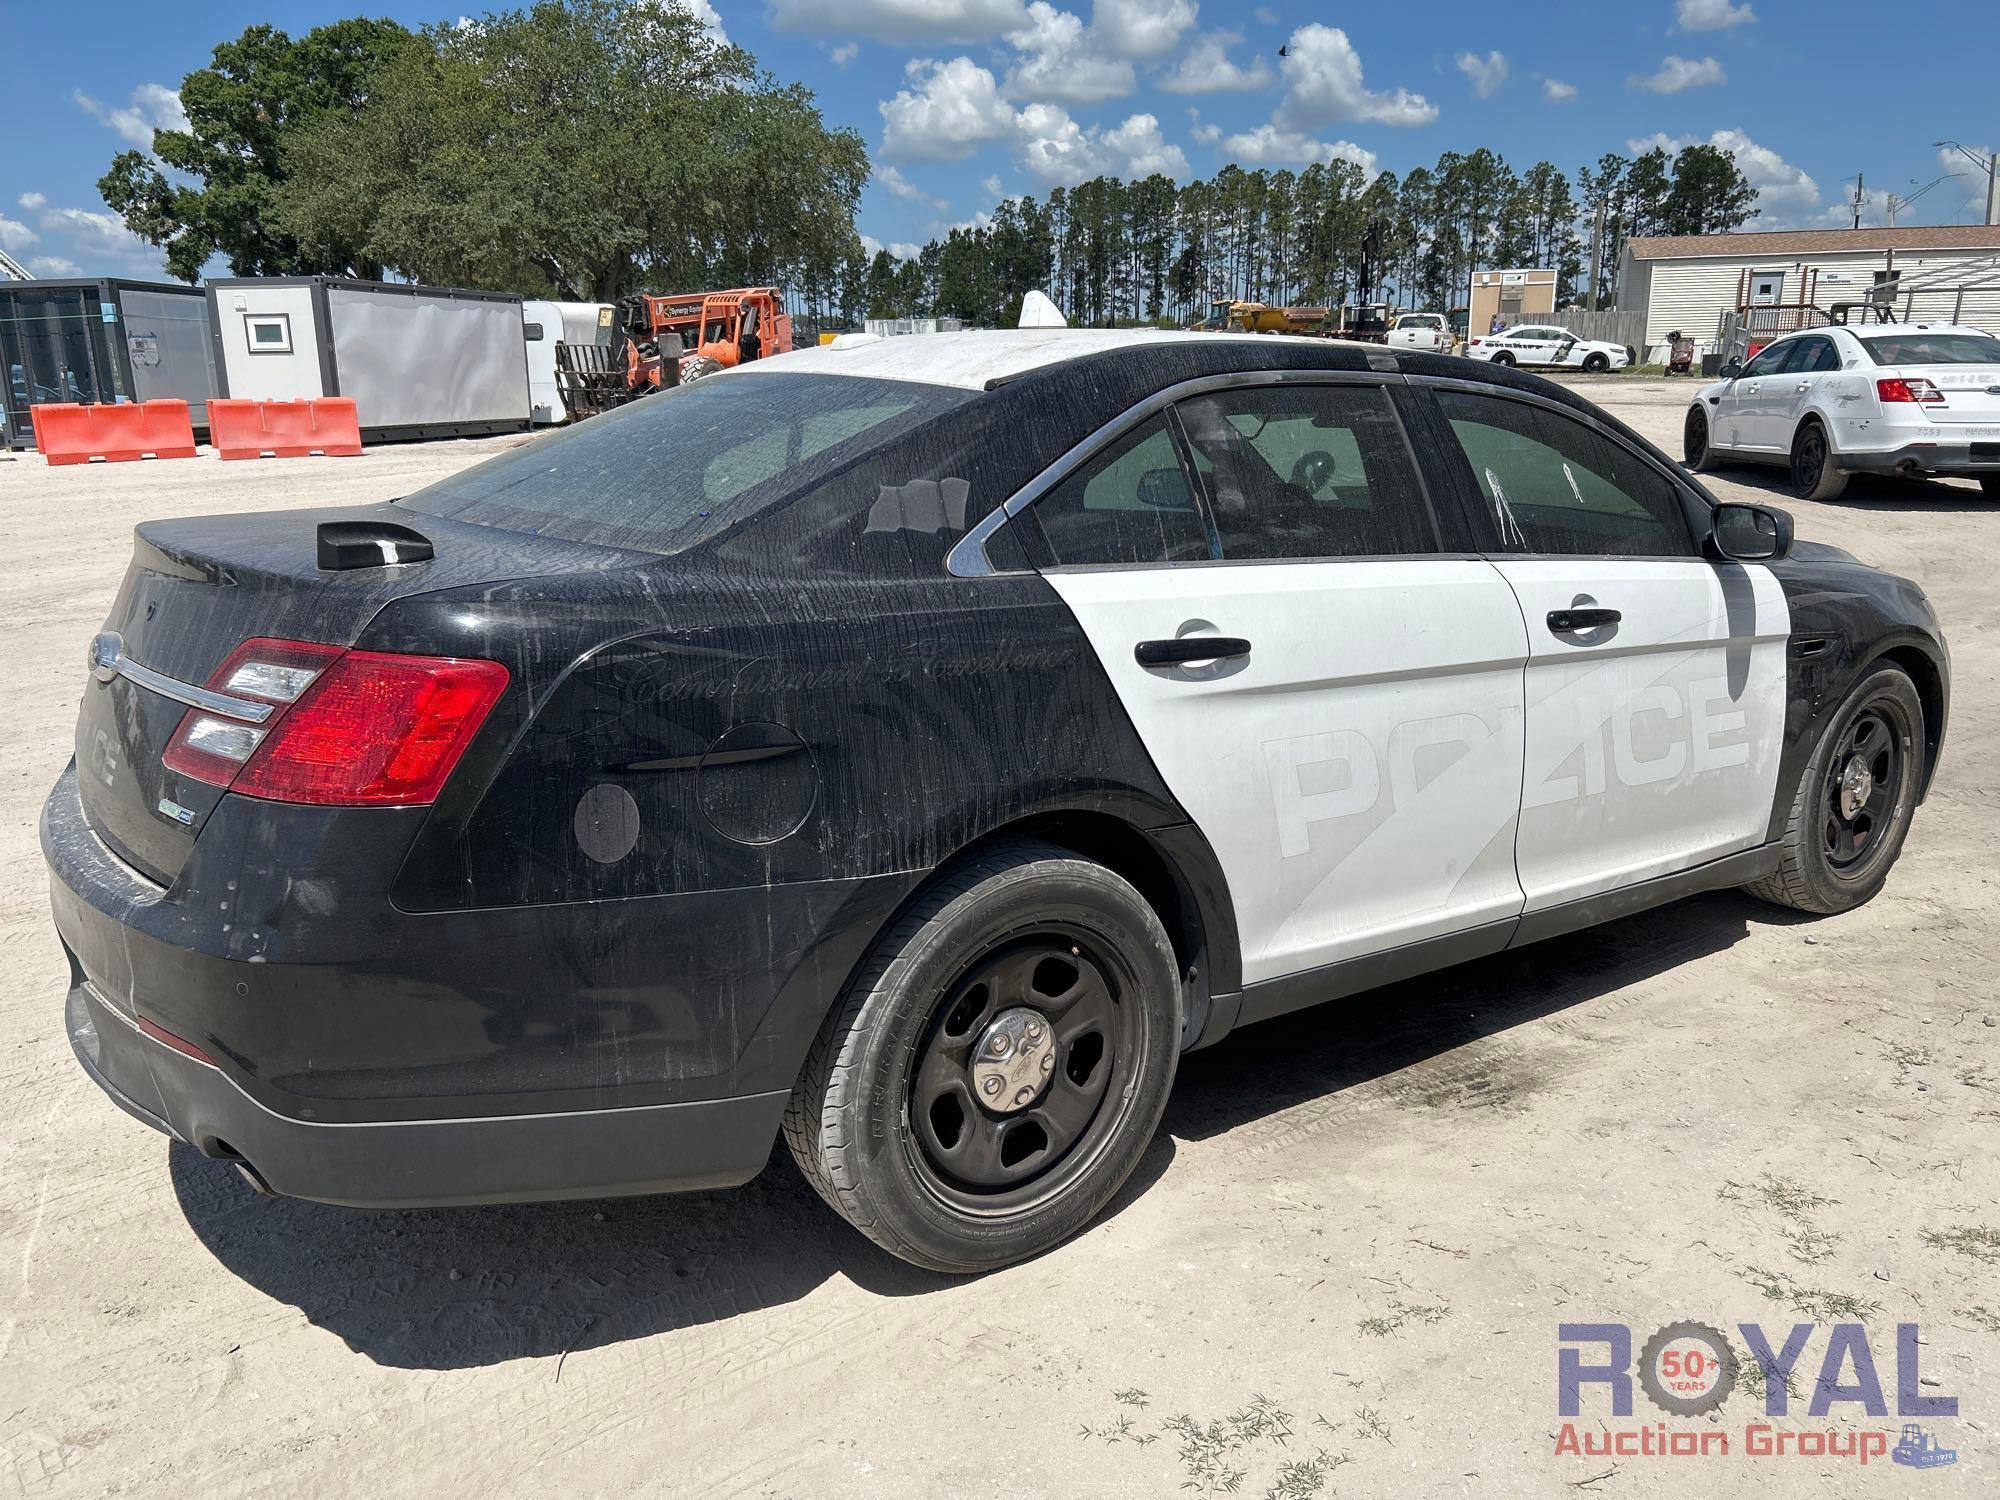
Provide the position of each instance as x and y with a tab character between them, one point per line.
914	748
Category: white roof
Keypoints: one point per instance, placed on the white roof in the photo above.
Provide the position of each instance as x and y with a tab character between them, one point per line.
970	359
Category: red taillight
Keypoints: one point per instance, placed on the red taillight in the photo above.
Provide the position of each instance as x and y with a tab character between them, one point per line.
1920	390
180	1044
349	728
1479	341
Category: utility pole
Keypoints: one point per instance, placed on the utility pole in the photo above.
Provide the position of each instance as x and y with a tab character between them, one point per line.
1990	165
1860	198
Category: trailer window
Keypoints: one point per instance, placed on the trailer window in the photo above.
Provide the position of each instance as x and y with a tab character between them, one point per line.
676	467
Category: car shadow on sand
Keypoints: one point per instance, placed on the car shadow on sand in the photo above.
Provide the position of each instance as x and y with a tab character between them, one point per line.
1864	491
466	1287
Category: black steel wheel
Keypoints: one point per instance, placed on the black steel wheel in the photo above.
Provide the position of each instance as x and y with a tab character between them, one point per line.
1695	449
1596	364
1503	358
1006	1102
1854	801
1815	476
999	1064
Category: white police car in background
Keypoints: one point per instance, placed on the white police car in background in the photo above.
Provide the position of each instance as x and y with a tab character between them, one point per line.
1540	345
1889	398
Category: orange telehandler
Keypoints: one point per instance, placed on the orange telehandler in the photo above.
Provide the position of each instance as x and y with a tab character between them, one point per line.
667	340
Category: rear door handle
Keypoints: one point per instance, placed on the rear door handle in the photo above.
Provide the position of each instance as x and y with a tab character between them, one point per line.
1187	648
1570	621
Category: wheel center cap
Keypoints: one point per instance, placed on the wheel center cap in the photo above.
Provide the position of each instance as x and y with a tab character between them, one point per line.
1014	1060
1857	784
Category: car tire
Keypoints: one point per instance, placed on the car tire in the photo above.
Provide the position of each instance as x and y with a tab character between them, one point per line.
1843	833
1815	476
1697	453
1990	483
1503	358
1595	364
887	1122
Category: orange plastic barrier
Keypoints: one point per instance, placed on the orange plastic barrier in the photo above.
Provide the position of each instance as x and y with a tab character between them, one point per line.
68	433
285	429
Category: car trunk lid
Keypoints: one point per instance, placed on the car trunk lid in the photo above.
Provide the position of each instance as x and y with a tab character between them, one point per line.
1971	394
198	588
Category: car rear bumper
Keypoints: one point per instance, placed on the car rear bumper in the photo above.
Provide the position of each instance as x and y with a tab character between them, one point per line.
371	1057
420	1163
1928	458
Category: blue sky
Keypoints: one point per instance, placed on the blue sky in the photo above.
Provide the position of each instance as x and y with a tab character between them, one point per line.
963	102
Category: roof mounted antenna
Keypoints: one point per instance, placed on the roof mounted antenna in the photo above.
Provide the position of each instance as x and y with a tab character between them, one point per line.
1037	311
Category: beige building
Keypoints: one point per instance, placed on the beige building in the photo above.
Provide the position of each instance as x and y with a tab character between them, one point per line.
1514	297
1947	272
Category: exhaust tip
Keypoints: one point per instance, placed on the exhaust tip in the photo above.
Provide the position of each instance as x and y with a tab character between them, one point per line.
257	1184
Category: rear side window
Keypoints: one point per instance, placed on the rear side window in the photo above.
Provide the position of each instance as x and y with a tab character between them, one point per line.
1129	504
1557	486
1304	471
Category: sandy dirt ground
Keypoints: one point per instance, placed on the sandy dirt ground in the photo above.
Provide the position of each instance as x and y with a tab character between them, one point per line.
1340	1270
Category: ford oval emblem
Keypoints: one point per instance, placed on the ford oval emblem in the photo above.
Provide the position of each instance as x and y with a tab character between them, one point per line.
107	651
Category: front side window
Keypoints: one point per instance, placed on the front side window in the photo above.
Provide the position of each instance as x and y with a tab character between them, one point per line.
1129	504
1770	360
1555	485
1303	471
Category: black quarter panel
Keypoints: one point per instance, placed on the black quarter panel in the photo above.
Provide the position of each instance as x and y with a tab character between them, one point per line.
1846	618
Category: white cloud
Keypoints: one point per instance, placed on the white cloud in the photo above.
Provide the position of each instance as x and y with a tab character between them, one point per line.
1487	73
31	201
1207	68
994	187
1265	15
1268	146
1206	133
14	235
704	12
54	265
1322	74
1974	179
952	110
1557	92
1677	73
1143	30
901	20
844	54
899	186
899	249
1141	150
154	106
1062	64
1785	193
1061	153
1711	15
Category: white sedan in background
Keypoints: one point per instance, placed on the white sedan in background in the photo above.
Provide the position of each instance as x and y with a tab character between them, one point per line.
1543	346
1887	398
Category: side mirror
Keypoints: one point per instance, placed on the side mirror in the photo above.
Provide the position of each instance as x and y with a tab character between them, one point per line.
1734	368
1749	533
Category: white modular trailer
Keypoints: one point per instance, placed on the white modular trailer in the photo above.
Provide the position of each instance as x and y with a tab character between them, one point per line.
545	324
418	361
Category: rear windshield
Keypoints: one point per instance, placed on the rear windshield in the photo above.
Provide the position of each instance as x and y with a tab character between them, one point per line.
680	465
1421	320
1933	348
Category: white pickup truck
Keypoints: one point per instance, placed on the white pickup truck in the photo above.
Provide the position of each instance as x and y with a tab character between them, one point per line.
1426	331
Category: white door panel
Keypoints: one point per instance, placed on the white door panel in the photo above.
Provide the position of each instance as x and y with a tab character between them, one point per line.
1652	745
1359	772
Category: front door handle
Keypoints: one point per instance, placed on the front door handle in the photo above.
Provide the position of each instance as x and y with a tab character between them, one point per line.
1570	621
1186	648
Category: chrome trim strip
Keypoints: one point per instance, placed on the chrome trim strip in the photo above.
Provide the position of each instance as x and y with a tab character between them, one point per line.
245	710
968	558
